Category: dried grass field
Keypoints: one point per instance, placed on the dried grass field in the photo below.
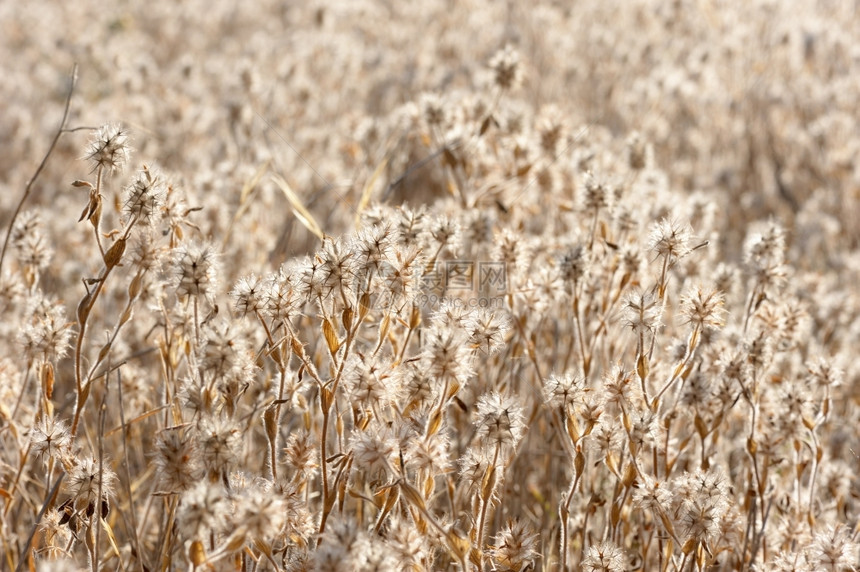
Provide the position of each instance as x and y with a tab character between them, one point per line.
422	286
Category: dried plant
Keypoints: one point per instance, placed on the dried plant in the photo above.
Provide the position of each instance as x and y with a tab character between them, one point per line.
471	286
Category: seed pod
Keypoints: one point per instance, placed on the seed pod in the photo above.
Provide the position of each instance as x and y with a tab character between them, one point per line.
458	544
572	427
642	366
615	514
415	317
434	423
114	253
135	286
489	483
701	427
48	380
330	336
363	306
579	463
412	495
270	422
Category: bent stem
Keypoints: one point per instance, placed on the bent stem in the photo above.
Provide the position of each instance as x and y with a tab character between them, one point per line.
29	187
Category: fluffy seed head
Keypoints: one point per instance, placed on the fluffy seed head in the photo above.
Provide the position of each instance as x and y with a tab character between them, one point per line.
177	460
704	308
203	509
670	239
446	355
507	69
220	445
516	546
500	420
487	330
195	270
604	557
109	148
145	196
573	266
704	501
49	437
833	549
642	311
248	295
45	336
375	449
564	390
87	477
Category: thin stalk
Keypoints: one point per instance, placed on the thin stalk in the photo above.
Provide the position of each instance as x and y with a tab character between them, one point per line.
49	502
29	186
326	405
681	367
577	321
485	503
97	510
128	492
